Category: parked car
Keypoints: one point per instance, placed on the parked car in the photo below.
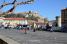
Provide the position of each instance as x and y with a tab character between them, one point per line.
64	28
57	29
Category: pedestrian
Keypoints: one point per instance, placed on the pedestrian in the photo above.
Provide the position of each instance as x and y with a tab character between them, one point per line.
25	29
52	28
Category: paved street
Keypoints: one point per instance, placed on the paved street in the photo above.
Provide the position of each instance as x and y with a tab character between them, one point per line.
38	37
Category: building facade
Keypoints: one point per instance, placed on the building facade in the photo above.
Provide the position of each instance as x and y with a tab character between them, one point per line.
64	17
13	21
35	14
58	21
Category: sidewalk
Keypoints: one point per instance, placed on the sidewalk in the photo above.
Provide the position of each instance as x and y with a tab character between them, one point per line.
8	40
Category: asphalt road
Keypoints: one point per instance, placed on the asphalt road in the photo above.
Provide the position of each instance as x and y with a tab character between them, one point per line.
38	37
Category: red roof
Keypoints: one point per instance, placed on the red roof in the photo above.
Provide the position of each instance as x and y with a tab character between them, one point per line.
14	19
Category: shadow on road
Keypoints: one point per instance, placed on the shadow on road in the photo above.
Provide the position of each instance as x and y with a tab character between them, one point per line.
3	42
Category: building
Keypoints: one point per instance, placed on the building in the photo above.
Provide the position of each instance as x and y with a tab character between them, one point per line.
31	17
29	13
58	21
64	17
40	19
13	21
52	23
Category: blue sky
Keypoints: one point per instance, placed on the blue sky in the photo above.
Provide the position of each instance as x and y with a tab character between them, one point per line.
46	8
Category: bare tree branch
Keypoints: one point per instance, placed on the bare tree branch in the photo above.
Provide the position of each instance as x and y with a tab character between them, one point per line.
14	3
26	2
4	4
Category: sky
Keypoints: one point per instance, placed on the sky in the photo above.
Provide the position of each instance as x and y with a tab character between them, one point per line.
46	8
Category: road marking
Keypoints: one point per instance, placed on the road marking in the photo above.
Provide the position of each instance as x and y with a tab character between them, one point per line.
34	40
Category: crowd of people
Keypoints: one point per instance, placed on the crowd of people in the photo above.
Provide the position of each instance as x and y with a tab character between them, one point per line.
46	27
7	25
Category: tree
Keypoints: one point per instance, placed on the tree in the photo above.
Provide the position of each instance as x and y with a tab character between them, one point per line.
14	15
14	3
9	15
31	16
